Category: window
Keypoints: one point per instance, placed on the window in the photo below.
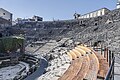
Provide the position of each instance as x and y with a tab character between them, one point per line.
102	12
81	22
3	13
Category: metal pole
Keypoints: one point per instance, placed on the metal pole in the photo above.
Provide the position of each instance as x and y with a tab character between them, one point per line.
107	54
104	52
113	64
109	58
101	48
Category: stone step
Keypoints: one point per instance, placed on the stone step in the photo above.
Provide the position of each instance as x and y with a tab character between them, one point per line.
93	69
84	68
72	70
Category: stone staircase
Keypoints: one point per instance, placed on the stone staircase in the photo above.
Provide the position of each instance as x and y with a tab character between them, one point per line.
85	65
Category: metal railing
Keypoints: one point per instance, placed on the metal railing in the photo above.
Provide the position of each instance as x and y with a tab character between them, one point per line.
110	74
109	55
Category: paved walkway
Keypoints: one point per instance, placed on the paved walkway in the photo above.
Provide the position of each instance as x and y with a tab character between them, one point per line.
117	67
39	71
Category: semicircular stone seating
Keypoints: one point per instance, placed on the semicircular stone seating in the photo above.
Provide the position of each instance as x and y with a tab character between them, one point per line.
85	64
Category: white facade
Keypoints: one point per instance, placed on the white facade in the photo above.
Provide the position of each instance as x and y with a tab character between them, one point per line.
118	4
33	19
96	13
5	14
21	21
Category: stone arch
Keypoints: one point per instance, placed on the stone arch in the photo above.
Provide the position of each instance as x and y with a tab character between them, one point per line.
96	23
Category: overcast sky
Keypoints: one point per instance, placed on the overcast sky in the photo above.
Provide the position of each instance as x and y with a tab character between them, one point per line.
57	9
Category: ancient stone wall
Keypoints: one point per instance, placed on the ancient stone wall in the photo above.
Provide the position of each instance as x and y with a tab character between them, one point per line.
69	28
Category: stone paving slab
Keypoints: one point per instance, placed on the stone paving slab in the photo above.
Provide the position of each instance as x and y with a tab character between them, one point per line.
117	68
117	77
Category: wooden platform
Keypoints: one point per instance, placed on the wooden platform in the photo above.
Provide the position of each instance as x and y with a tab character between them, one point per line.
103	65
86	64
72	70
